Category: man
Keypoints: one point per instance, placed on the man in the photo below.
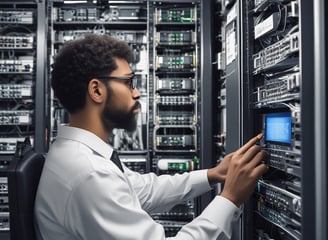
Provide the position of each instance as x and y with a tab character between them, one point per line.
82	194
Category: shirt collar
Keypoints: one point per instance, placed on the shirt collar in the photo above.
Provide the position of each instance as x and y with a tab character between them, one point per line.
87	138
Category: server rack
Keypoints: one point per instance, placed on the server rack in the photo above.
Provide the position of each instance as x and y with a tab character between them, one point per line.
173	99
23	91
268	70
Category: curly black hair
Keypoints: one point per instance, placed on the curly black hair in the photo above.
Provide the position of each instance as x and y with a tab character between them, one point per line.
80	60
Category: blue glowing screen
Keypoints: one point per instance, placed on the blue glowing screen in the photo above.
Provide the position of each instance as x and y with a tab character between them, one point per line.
278	127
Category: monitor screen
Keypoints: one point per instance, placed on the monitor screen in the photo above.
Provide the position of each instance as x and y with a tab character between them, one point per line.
278	128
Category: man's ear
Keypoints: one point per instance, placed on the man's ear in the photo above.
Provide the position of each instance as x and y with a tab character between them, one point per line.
96	90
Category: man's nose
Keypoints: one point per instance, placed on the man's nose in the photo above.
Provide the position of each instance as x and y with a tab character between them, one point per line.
135	93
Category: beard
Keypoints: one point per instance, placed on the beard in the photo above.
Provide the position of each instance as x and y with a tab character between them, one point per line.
119	118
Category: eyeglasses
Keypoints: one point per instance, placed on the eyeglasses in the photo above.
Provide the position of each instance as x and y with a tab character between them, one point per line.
131	79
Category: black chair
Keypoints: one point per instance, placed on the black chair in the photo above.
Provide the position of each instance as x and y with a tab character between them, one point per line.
22	185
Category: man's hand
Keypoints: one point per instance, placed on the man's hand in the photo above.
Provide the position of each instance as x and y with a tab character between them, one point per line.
246	167
218	174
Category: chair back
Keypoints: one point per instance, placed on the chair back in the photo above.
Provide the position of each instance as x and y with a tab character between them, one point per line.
22	192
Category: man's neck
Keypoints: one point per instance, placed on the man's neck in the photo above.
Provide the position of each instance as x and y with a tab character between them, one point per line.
91	124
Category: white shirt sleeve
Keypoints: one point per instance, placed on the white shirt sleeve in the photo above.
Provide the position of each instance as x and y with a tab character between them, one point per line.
214	222
160	193
102	206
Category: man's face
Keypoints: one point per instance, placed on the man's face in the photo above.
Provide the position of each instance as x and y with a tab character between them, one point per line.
121	107
120	118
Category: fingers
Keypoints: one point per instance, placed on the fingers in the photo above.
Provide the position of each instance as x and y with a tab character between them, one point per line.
260	157
259	170
251	153
245	170
229	155
249	144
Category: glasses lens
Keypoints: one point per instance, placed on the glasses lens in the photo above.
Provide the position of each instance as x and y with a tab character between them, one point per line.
133	82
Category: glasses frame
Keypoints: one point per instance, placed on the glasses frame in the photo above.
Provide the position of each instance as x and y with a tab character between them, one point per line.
132	79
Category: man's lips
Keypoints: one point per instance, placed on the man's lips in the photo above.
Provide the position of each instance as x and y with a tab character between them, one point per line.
136	108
